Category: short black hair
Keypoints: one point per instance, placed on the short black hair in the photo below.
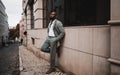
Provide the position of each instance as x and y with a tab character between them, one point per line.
53	10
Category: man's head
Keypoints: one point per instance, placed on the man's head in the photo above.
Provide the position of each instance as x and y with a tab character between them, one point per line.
53	15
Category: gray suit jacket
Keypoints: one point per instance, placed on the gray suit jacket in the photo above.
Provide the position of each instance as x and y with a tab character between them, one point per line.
58	30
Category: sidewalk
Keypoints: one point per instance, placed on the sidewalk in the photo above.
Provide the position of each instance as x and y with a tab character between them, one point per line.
31	65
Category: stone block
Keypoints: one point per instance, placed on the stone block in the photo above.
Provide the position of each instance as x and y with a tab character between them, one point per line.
115	42
85	40
115	69
38	4
71	38
38	14
101	41
38	23
76	62
100	66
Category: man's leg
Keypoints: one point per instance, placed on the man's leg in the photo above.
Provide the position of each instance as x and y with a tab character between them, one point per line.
52	56
45	46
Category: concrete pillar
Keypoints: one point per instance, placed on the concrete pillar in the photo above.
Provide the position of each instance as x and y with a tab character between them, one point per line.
115	37
115	9
38	14
28	18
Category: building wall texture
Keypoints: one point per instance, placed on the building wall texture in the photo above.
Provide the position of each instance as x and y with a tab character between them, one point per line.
3	24
87	50
22	28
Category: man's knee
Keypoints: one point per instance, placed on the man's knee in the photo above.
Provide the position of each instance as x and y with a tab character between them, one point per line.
42	48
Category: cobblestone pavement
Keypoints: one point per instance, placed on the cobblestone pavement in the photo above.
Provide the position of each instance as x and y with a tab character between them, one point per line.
9	60
31	65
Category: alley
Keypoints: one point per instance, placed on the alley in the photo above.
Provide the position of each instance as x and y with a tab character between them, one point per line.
9	60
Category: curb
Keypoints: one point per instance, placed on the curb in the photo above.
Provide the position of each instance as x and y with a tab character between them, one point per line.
20	62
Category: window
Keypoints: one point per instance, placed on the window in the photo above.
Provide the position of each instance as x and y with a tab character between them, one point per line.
80	12
48	5
86	12
31	4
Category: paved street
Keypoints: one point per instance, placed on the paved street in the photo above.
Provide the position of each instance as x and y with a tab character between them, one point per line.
14	58
9	62
31	65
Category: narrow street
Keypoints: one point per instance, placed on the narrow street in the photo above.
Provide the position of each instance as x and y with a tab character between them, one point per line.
9	60
17	60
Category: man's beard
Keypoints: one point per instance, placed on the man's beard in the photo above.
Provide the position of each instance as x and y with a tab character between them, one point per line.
52	18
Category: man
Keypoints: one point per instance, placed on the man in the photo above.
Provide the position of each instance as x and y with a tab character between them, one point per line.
55	34
21	41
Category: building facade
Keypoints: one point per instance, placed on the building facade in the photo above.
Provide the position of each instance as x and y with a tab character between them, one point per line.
92	34
22	30
3	25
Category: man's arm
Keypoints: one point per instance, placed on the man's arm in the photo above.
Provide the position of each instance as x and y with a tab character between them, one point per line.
61	30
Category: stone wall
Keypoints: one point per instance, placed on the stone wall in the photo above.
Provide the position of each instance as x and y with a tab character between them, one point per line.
85	49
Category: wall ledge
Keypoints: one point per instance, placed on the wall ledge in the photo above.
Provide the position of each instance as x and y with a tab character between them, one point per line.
114	22
115	61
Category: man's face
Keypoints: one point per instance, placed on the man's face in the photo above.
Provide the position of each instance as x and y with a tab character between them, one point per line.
53	15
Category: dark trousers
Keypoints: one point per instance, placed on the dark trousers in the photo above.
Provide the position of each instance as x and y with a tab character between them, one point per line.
50	45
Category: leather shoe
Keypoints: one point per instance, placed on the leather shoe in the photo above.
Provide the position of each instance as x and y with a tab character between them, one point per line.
51	70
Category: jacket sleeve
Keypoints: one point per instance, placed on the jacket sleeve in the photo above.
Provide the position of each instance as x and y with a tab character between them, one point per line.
61	30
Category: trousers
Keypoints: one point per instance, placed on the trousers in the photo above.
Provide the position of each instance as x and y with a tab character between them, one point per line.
50	45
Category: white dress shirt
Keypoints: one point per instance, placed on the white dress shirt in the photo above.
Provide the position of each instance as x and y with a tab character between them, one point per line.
51	32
